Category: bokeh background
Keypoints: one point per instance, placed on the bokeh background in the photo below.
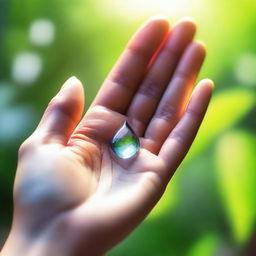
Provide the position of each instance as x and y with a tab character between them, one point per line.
209	207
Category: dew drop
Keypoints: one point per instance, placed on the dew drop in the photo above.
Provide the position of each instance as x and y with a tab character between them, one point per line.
125	143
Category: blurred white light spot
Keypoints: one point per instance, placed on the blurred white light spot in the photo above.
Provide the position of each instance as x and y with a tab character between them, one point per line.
42	32
14	123
245	69
26	68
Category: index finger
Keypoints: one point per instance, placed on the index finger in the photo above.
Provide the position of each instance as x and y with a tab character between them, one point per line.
121	84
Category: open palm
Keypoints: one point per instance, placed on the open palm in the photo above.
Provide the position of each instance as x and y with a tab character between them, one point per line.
70	186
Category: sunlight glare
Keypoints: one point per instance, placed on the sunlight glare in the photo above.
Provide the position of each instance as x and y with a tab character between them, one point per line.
140	8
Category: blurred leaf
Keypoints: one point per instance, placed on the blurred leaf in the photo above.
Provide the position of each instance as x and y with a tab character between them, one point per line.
206	246
237	179
167	202
226	108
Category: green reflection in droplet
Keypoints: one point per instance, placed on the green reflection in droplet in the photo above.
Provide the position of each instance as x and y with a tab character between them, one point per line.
125	143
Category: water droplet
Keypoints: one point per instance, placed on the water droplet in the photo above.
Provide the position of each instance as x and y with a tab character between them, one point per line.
125	143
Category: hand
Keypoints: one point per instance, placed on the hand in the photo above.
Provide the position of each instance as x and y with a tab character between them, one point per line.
72	196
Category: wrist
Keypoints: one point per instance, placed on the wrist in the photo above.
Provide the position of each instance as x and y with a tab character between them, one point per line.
18	243
21	244
15	245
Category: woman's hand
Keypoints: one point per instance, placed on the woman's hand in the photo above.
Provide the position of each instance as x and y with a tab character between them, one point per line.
72	195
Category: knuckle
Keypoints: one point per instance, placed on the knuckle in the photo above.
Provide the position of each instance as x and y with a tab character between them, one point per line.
195	114
25	147
139	51
168	113
119	78
151	88
179	135
172	51
182	75
57	104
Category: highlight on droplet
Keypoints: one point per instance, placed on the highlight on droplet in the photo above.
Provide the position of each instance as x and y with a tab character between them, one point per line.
125	143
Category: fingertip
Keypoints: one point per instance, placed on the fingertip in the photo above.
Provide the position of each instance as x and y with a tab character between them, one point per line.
195	54
72	81
184	30
203	89
207	83
161	21
200	47
75	80
73	88
188	23
71	94
193	57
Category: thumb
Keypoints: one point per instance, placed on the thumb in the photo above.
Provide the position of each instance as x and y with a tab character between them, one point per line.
62	114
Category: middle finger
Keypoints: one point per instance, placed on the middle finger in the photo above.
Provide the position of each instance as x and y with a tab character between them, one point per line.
149	94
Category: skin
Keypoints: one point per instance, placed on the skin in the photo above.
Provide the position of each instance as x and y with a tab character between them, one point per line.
72	195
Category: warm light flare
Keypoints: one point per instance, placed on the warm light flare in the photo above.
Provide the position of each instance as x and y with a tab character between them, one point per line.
140	8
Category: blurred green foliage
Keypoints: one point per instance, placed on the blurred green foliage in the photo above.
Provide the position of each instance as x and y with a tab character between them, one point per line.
209	206
235	157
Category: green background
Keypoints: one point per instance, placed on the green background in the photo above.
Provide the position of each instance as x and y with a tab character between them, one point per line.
209	207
